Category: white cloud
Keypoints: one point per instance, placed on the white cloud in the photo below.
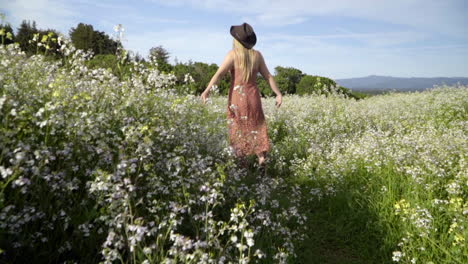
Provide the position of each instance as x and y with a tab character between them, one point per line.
434	16
185	44
381	39
63	14
54	14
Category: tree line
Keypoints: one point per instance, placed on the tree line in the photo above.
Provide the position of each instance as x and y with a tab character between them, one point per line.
105	55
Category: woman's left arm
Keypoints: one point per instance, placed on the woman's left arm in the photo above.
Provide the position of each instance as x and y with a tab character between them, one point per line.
222	70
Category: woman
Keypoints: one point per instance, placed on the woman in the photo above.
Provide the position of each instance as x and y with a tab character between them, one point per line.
246	121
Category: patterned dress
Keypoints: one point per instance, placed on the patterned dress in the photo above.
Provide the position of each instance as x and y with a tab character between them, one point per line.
246	121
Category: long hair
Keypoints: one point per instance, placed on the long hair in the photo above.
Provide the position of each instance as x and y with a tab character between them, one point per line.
245	57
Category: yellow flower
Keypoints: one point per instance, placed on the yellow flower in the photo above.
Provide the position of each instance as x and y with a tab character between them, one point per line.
177	102
144	128
459	239
401	207
452	227
455	203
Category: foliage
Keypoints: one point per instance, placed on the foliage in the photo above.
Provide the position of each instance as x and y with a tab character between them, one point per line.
26	33
194	76
47	43
201	73
287	78
321	85
34	41
359	95
264	87
86	38
7	36
103	44
104	61
315	84
161	56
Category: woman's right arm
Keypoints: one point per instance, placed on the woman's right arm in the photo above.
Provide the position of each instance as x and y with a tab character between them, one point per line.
271	81
222	70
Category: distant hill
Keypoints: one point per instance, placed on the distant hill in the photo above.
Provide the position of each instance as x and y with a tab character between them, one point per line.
375	83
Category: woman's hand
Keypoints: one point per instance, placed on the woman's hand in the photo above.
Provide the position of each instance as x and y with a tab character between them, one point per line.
279	100
204	96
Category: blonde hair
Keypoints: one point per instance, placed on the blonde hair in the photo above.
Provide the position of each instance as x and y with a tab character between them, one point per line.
245	58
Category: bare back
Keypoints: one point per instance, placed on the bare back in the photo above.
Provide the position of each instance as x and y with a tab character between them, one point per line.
258	66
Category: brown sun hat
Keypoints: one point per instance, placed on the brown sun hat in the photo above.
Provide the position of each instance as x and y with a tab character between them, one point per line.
245	35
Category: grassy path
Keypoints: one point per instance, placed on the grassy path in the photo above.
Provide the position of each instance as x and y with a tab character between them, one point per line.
338	234
340	228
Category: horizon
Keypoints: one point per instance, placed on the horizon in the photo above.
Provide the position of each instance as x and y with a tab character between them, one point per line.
337	39
415	77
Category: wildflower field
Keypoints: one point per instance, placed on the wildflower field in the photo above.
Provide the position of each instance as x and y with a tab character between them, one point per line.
99	169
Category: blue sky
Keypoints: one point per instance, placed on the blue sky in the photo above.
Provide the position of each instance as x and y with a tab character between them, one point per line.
333	38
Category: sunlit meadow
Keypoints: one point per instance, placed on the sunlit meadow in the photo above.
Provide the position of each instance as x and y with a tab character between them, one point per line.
100	169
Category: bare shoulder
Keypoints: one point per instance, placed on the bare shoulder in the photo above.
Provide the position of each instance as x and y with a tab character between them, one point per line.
227	62
263	69
230	54
259	56
229	58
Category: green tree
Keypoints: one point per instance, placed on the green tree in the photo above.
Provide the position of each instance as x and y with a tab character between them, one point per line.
264	87
7	36
138	58
224	84
6	32
161	56
321	85
82	36
103	44
315	84
201	74
159	53
287	78
307	85
86	38
26	33
106	61
48	42
33	40
179	70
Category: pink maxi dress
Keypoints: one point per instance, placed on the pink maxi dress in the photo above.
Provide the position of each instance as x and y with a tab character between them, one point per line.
246	122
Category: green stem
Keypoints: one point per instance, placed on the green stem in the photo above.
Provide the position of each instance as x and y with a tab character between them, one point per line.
445	251
47	50
206	223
